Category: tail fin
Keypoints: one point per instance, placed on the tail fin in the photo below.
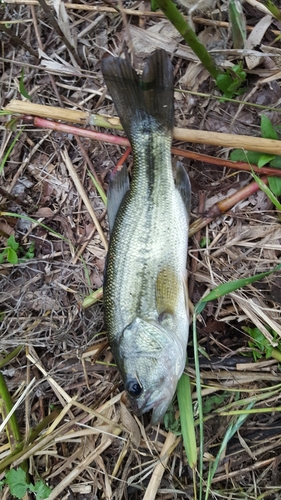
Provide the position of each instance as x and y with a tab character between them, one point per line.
138	100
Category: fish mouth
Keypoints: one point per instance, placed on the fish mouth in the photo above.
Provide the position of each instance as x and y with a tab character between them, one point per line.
159	411
143	407
158	407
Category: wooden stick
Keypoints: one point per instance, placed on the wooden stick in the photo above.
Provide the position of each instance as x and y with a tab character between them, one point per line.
246	142
83	195
82	465
53	112
129	12
68	115
154	483
141	13
93	8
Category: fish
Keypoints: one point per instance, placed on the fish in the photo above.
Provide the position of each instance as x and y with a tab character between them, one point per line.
145	298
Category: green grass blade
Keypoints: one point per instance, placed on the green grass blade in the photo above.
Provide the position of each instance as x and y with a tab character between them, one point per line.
255	411
92	298
231	286
5	361
267	191
232	429
34	221
12	426
273	9
238	23
187	420
23	90
98	188
10	148
6	405
218	292
200	404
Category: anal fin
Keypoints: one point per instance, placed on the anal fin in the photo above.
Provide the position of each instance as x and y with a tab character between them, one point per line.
182	183
119	184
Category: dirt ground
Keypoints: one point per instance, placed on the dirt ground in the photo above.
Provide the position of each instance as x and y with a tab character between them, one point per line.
76	430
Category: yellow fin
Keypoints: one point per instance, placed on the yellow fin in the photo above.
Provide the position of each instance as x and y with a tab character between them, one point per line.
186	299
167	290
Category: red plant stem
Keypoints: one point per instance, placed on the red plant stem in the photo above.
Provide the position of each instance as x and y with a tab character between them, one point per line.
238	165
70	129
122	141
122	160
222	206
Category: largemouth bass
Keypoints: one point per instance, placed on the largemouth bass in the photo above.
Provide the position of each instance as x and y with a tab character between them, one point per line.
145	300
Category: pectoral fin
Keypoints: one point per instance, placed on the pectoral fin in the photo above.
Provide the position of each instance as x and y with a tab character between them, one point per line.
119	184
184	283
167	291
182	183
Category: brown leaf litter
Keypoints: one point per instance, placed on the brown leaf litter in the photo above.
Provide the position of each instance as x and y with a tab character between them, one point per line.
86	443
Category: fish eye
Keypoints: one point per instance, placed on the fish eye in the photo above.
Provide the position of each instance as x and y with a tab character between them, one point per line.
133	388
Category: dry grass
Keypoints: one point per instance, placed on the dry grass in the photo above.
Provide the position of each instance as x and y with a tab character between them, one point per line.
78	432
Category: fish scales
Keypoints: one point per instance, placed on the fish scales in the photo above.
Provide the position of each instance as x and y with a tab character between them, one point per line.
145	300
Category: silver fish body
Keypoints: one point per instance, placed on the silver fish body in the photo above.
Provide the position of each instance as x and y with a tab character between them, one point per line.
145	298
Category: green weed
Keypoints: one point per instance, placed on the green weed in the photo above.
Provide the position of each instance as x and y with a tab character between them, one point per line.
204	242
22	88
261	346
268	131
213	402
230	82
13	252
171	423
16	480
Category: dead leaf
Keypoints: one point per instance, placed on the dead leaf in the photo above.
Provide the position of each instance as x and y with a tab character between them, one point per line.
39	301
5	228
194	76
21	185
96	279
275	54
47	191
63	21
98	252
44	212
147	41
58	67
255	39
129	422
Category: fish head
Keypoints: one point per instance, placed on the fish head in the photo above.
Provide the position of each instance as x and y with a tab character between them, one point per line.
152	359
